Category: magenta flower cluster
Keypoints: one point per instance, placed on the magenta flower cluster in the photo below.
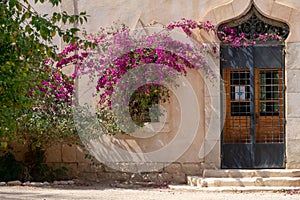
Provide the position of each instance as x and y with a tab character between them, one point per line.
188	25
57	86
230	36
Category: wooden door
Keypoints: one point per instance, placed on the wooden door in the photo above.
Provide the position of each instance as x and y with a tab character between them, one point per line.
253	132
269	106
237	89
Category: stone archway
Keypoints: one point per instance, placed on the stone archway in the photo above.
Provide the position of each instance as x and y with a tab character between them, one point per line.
276	10
253	135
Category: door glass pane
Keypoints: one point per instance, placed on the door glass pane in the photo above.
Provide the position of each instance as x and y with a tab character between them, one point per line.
269	92
240	92
240	78
240	108
269	108
269	77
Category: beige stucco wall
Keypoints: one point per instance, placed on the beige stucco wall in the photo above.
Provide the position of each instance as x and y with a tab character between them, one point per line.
104	13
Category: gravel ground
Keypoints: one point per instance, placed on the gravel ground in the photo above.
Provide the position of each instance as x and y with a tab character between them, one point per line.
110	193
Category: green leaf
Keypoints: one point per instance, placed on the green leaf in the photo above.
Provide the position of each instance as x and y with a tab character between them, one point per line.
12	3
28	29
12	39
64	17
49	52
72	20
19	7
55	2
53	33
43	34
27	15
74	30
58	17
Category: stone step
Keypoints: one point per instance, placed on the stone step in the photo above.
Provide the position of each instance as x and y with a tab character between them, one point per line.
242	182
235	189
264	173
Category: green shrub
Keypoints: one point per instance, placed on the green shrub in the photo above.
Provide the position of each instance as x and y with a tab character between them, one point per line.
33	168
10	168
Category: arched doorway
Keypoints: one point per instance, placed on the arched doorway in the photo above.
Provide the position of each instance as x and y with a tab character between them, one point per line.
253	135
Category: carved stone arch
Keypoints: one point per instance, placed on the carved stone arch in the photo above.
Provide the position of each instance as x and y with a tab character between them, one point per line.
246	135
235	9
253	24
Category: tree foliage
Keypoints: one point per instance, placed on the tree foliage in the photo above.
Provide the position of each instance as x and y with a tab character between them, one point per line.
26	41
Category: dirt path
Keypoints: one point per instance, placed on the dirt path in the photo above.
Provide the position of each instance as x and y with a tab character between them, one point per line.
108	193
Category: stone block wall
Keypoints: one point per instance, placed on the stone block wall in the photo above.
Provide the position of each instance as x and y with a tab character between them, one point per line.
74	159
292	105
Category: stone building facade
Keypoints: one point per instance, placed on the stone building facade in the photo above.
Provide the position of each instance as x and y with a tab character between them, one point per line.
206	150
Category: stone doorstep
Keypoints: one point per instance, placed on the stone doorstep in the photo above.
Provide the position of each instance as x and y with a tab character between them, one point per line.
246	178
264	173
233	189
242	182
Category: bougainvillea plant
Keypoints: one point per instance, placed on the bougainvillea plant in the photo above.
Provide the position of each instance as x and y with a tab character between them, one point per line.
116	52
230	36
